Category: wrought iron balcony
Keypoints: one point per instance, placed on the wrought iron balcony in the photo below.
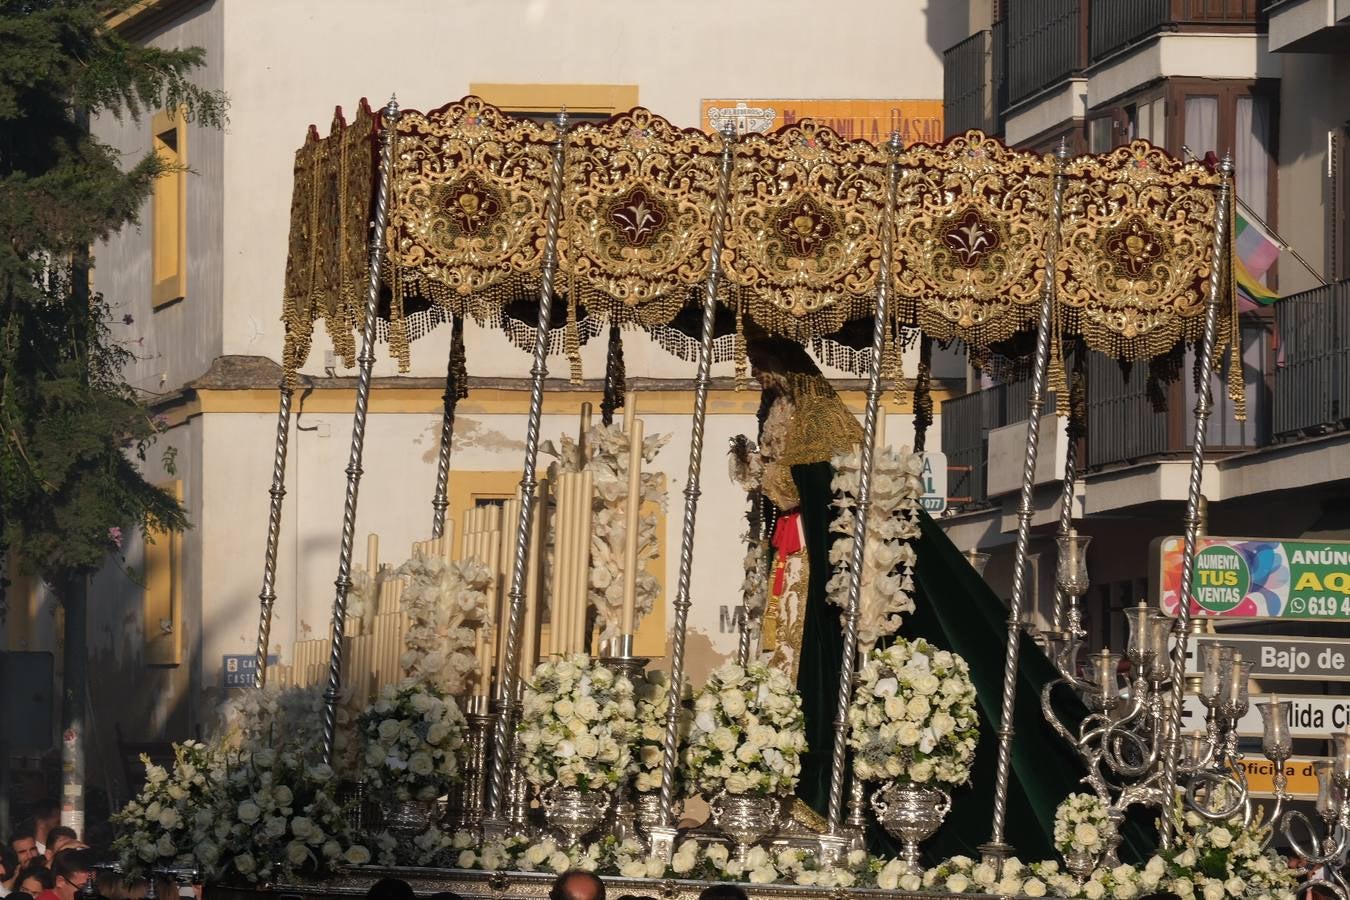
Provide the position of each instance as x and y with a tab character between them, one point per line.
1047	42
1119	23
974	88
1312	388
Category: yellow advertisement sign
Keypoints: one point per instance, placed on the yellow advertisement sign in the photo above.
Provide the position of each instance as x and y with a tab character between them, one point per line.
1261	777
871	120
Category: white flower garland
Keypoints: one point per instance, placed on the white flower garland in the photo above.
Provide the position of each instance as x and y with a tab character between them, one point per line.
1081	824
577	725
748	733
913	716
608	465
446	602
412	736
888	554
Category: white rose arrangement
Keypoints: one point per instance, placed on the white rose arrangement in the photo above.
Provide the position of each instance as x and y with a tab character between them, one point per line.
748	733
274	818
155	829
256	720
888	554
608	465
913	716
1082	825
446	603
652	696
577	726
412	735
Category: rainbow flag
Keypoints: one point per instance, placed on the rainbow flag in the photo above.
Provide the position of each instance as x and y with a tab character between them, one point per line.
1254	252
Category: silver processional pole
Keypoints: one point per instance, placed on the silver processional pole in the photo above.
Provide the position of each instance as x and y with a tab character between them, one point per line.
995	851
662	837
365	361
502	734
267	597
1181	629
865	458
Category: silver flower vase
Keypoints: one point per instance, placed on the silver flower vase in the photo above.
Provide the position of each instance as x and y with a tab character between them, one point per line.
405	819
574	813
910	813
1080	863
745	818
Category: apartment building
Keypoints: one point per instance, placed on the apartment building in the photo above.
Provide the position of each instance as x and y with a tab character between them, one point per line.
1270	83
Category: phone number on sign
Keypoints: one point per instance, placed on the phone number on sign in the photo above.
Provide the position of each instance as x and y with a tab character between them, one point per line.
1328	607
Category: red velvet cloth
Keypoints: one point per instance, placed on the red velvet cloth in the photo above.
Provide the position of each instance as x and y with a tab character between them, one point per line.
788	538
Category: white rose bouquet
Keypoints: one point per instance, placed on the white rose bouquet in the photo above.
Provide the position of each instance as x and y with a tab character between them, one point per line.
274	819
412	735
913	716
748	733
1081	825
888	554
155	829
446	603
1225	859
652	695
577	726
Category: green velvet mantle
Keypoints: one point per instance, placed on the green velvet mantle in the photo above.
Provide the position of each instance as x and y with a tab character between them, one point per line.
954	610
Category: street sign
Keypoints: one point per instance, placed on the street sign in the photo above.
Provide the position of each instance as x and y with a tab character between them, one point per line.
934	478
1256	578
238	669
1309	717
1261	776
1289	658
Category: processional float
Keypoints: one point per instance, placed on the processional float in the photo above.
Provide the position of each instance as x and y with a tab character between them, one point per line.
403	219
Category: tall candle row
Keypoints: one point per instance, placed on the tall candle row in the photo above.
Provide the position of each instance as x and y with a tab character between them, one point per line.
571	561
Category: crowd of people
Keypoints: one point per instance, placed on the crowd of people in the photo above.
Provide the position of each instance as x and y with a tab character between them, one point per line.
45	860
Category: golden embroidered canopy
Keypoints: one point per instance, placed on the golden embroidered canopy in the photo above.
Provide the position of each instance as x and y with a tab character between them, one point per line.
804	228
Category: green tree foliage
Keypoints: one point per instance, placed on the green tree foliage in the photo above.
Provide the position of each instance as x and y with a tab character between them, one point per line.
70	425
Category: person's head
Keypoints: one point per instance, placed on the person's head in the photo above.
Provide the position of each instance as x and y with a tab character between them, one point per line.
24	842
59	838
577	884
771	358
390	889
111	886
72	869
724	892
46	816
9	865
35	878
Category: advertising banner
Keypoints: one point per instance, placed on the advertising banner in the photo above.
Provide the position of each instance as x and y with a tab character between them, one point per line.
1257	578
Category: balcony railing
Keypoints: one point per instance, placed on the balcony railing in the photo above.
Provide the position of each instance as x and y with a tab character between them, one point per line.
967	82
1118	23
1312	388
1122	424
1045	44
974	90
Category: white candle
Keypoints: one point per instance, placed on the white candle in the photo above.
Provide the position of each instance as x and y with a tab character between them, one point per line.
529	644
1073	554
372	554
632	518
583	561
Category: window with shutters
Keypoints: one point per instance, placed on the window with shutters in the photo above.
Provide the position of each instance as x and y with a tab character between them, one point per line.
168	213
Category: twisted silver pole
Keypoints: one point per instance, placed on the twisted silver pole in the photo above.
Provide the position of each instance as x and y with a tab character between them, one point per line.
662	837
1181	628
995	851
365	360
502	746
267	597
455	389
866	454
